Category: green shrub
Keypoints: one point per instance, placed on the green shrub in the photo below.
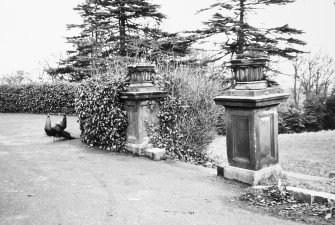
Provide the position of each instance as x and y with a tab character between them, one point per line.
38	98
330	117
188	117
290	119
102	118
315	114
221	126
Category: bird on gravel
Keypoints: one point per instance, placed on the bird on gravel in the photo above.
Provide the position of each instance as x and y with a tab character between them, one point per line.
58	130
62	124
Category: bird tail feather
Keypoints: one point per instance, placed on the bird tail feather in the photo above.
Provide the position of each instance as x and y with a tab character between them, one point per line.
66	135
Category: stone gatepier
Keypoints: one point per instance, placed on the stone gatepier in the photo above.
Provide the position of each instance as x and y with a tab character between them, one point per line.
252	123
141	105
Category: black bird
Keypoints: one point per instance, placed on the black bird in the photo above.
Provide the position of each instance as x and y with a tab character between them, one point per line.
62	124
58	130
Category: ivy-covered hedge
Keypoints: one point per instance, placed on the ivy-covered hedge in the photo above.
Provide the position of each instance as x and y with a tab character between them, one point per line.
38	98
102	118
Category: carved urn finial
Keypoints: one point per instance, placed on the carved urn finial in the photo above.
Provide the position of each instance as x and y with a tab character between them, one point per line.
248	71
141	77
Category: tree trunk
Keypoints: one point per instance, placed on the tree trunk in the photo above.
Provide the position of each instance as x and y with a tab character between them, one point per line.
317	88
295	86
122	32
240	33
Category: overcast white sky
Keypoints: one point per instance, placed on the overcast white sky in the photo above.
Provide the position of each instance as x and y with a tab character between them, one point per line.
33	31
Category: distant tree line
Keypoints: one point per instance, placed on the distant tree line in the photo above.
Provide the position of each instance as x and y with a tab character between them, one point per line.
312	107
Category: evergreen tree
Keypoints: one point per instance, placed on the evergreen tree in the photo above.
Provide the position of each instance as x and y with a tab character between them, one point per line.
115	28
231	19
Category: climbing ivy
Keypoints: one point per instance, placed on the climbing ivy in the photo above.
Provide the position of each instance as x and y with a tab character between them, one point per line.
102	118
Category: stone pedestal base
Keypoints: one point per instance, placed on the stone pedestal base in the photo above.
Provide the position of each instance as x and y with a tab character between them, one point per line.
156	154
137	148
251	177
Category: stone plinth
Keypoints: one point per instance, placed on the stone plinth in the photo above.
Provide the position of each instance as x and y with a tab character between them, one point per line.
156	154
252	177
252	133
142	106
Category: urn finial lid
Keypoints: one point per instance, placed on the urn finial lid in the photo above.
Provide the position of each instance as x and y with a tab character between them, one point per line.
249	59
141	67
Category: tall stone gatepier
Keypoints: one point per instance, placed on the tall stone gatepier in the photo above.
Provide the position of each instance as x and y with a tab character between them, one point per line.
141	105
252	123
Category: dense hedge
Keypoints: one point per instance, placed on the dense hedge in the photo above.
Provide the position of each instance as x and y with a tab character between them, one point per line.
102	118
38	98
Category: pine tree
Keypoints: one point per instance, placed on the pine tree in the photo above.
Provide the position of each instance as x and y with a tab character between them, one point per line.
231	19
115	28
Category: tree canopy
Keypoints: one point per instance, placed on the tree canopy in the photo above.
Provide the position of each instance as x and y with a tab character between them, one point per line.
231	19
116	28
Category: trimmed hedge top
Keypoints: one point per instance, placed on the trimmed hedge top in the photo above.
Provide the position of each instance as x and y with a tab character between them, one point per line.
38	98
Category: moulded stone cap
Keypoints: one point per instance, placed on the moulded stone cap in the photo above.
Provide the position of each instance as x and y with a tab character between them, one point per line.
248	62
251	101
260	92
143	95
142	67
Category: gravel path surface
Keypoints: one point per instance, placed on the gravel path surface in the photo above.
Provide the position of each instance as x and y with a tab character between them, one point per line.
65	183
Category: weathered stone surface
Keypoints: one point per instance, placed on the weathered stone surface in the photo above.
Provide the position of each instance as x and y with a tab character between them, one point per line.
141	105
141	112
252	126
156	153
255	85
250	176
252	137
310	196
